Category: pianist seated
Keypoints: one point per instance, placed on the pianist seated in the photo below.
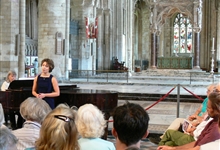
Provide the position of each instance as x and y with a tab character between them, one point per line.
33	110
10	77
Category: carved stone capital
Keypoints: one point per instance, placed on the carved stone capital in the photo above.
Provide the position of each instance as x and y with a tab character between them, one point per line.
99	12
107	11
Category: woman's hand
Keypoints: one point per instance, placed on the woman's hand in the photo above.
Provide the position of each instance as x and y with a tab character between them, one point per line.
41	95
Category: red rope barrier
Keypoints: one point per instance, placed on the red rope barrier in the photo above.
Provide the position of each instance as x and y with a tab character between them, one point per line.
156	101
162	98
193	94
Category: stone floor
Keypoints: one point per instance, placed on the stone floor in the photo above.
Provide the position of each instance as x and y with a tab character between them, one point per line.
163	113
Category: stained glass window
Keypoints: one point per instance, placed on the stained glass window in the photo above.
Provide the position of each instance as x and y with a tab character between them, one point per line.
182	34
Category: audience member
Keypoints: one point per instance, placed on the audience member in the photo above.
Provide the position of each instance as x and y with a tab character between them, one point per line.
33	110
130	126
7	139
45	85
58	130
10	77
212	130
91	124
196	118
177	138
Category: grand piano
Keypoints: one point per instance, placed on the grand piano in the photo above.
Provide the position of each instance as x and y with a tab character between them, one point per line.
19	90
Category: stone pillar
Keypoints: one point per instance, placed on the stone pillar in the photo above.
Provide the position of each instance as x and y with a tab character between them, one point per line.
99	40
107	40
67	39
52	31
129	35
197	25
196	64
21	57
153	50
34	20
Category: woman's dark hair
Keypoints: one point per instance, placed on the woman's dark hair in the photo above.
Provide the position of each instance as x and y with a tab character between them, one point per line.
49	62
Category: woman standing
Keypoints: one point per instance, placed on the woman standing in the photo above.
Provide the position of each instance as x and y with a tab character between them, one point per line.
45	85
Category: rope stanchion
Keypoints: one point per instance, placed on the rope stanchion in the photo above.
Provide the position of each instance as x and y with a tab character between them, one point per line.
161	98
193	93
156	101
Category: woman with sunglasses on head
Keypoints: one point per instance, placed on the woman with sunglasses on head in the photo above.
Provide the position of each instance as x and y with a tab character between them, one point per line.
45	85
58	130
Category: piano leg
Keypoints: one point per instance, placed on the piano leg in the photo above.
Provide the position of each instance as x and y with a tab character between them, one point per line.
14	123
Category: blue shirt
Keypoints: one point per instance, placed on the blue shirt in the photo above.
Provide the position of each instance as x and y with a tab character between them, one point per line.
95	144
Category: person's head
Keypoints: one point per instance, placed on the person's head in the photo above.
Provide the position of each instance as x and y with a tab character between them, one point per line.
90	121
213	107
210	88
47	65
7	139
11	76
130	123
58	130
34	109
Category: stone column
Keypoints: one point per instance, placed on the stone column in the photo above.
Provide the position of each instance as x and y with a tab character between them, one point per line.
52	20
153	37
107	40
67	39
99	40
34	20
129	35
197	43
153	50
21	57
197	28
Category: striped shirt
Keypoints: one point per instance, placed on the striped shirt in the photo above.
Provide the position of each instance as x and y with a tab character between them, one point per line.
27	135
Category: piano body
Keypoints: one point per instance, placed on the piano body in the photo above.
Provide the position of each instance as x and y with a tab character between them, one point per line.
19	90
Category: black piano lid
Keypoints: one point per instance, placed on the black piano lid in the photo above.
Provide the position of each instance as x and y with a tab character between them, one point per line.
18	84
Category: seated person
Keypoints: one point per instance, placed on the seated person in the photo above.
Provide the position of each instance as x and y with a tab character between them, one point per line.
191	133
10	77
130	126
33	110
91	125
7	139
197	117
210	132
58	130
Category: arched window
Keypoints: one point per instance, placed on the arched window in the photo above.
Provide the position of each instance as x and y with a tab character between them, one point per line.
182	34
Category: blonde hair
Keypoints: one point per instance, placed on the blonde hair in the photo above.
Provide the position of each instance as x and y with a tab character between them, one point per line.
58	130
11	72
90	121
34	109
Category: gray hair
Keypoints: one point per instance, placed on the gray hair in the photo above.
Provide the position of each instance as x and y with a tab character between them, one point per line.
34	109
9	73
90	121
7	139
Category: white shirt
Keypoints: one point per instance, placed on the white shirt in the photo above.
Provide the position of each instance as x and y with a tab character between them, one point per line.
27	135
211	146
5	85
200	128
